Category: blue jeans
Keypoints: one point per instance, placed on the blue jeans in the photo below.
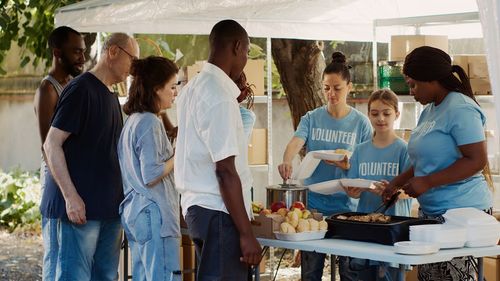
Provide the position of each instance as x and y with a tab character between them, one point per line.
153	257
85	252
312	265
51	248
217	244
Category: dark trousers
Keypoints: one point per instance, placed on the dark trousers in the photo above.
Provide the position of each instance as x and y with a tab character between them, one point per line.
217	245
312	265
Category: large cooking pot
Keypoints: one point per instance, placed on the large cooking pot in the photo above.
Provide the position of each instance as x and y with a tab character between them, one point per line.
287	193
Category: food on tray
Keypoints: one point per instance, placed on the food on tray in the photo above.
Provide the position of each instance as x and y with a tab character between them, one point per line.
306	214
287	228
298	205
277	205
323	225
373	217
303	225
313	224
292	218
282	212
257	207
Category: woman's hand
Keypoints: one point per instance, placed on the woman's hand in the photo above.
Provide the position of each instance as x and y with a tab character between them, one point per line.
285	169
343	164
416	186
351	191
389	188
379	187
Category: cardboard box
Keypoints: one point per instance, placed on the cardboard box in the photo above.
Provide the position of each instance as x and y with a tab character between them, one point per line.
254	71
412	275
475	65
188	262
462	61
492	268
186	240
401	45
264	227
478	68
257	148
480	86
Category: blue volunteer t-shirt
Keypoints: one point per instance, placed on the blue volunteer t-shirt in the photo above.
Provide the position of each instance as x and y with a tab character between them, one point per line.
456	121
373	163
92	114
321	131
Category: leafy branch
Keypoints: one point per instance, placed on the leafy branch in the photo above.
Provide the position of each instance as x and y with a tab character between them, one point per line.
28	24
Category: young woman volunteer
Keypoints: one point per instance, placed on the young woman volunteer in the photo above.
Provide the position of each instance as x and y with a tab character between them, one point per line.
380	159
150	210
333	126
447	149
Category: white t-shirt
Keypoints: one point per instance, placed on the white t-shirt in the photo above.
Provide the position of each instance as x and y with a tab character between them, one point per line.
210	130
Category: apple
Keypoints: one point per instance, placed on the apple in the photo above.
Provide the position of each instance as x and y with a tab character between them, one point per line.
298	205
277	205
265	212
282	211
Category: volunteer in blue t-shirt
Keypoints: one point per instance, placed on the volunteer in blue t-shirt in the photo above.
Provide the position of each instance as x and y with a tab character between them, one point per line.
333	126
380	159
447	149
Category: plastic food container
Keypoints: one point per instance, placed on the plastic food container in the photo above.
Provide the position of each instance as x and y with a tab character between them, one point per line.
447	236
482	230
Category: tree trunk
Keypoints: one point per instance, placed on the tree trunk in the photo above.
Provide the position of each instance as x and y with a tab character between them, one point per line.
300	64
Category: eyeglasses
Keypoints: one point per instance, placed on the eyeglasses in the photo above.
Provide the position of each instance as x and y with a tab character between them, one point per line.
132	58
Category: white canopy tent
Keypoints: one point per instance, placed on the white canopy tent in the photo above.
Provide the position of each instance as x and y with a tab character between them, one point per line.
350	20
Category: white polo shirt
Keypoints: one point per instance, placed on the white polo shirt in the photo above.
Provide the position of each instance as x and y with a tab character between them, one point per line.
210	130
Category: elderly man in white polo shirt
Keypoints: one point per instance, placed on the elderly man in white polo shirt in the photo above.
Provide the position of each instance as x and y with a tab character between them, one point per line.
210	141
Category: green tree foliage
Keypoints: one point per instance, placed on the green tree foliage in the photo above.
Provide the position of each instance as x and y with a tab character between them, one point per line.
20	195
28	23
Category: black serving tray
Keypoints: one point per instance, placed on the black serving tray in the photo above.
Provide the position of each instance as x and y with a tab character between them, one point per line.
397	229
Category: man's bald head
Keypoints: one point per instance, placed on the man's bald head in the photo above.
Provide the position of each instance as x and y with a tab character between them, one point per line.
225	33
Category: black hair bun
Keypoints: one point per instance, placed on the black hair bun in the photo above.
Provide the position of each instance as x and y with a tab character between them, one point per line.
338	57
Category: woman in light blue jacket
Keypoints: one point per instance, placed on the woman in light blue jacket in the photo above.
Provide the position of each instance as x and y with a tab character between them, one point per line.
150	210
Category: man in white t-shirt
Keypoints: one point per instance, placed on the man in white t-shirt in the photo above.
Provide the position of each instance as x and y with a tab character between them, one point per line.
208	146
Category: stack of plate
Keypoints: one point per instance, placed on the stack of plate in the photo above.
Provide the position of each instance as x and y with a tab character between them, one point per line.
446	235
415	248
482	230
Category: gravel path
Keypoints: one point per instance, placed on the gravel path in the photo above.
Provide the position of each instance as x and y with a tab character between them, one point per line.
20	257
21	260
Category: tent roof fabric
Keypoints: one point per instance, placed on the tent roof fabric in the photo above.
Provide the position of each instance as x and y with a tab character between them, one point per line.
350	20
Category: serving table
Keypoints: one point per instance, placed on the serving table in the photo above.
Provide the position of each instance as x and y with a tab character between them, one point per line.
379	252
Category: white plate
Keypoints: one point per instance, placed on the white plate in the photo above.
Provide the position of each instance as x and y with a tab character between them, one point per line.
415	248
361	183
329	155
326	187
306	168
301	236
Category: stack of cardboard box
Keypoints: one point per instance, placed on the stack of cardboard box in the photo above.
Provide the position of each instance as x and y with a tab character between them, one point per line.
188	259
476	68
257	148
401	45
